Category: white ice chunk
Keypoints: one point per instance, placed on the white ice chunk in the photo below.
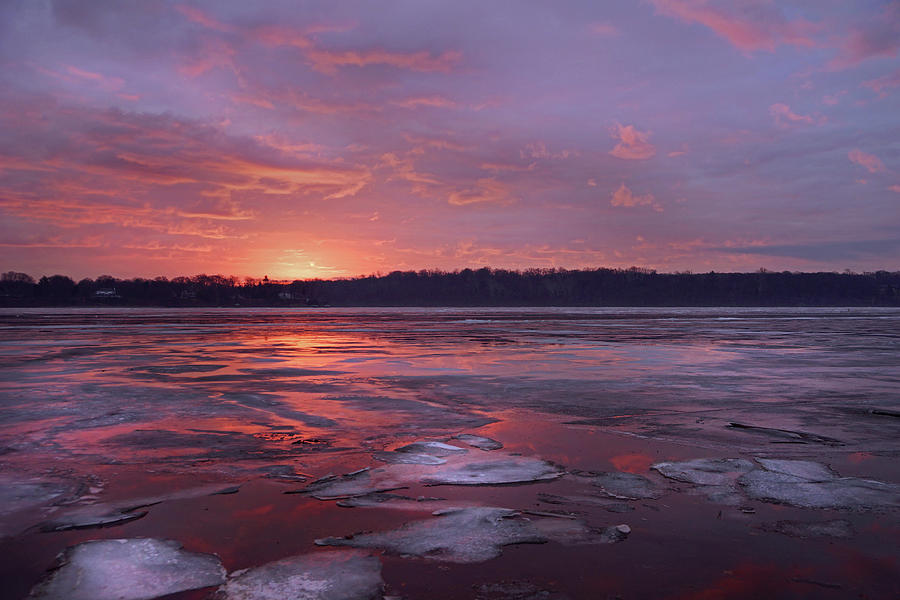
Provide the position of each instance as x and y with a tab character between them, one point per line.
476	534
128	569
331	575
705	471
432	448
408	458
841	492
359	483
624	486
804	469
480	442
509	470
460	535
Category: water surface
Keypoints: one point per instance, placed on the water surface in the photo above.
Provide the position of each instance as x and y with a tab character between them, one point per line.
117	404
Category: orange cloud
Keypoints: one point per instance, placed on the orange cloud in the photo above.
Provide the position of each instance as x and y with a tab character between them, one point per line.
761	29
870	162
633	144
404	169
485	190
625	197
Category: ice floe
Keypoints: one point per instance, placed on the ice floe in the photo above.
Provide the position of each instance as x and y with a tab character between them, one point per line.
480	442
327	575
705	471
460	535
800	483
494	472
93	516
622	486
358	483
408	458
477	534
431	448
22	499
805	492
127	569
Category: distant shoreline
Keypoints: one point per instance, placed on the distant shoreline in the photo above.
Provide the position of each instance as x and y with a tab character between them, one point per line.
632	288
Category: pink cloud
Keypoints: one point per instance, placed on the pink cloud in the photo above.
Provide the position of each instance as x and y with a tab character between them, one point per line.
625	197
882	84
633	144
211	54
747	26
784	116
322	59
895	188
110	83
426	101
195	15
281	36
603	28
878	37
328	61
870	162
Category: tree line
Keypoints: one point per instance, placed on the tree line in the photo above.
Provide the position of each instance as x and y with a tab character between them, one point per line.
467	287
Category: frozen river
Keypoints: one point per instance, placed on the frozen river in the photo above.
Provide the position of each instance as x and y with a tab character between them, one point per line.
124	423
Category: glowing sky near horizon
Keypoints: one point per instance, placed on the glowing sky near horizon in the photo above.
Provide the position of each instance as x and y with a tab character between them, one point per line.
320	139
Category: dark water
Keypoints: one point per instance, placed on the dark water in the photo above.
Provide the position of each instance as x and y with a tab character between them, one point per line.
106	406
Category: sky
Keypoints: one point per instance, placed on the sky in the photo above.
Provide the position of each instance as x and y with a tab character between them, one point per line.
330	139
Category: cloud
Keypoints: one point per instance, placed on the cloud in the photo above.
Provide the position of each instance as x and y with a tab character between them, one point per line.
108	83
870	162
218	52
328	61
785	117
882	84
156	172
485	190
540	150
625	197
633	144
405	169
209	53
274	35
199	17
426	101
822	251
603	28
895	188
748	26
876	37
